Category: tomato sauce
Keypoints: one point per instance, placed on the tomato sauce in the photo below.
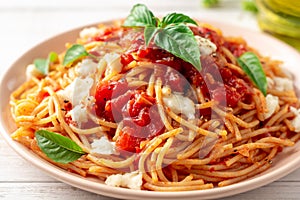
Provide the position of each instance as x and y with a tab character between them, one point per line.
235	48
116	102
234	87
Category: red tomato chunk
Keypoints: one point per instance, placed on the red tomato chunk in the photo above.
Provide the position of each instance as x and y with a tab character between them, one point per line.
116	102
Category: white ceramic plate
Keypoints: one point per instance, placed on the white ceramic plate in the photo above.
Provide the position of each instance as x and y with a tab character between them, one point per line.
285	162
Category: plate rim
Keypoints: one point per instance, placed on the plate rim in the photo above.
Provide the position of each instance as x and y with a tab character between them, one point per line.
81	182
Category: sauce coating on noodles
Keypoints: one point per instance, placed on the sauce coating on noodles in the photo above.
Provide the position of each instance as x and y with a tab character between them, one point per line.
142	121
142	115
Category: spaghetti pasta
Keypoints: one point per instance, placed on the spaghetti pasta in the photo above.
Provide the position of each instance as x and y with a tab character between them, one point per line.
152	113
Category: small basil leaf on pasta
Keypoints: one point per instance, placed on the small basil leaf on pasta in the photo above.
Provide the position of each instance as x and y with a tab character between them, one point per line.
176	18
180	41
251	65
52	57
57	147
42	65
140	16
74	53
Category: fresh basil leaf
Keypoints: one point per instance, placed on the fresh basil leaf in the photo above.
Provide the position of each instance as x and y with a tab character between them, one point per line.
176	18
140	16
52	57
171	34
74	53
251	65
149	33
41	65
180	41
57	147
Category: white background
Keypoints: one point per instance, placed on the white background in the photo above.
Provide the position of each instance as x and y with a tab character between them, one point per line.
25	23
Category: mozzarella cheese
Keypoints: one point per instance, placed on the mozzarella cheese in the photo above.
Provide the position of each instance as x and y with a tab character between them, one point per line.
86	68
206	47
79	114
103	146
113	63
132	180
180	104
77	91
89	32
31	71
296	121
283	84
272	104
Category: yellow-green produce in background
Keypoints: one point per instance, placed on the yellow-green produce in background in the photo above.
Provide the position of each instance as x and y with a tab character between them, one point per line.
281	18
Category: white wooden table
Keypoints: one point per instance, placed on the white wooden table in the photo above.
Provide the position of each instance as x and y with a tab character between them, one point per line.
26	23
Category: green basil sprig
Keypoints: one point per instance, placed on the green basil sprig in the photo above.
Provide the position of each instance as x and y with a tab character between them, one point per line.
42	65
251	65
74	53
57	147
171	33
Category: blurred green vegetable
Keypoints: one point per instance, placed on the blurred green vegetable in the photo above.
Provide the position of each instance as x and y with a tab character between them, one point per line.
278	17
249	5
210	3
275	17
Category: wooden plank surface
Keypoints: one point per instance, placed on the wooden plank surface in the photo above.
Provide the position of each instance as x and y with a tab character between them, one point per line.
26	23
45	190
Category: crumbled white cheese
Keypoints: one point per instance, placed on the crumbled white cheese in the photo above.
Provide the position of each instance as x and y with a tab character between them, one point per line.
114	180
113	63
77	91
296	121
103	146
32	71
283	84
89	100
272	104
180	104
86	68
205	45
79	114
133	180
89	32
294	110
